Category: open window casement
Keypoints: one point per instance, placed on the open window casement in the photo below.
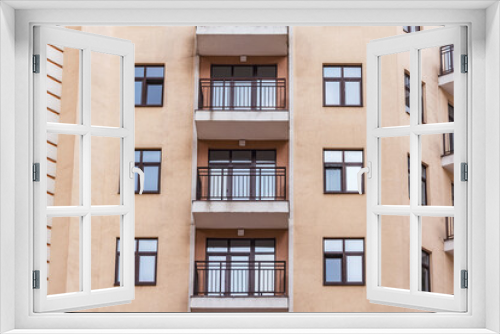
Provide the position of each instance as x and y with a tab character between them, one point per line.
71	130
400	228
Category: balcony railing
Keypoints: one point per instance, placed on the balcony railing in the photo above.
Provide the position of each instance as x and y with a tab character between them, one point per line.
242	94
450	227
240	278
240	184
446	59
448	143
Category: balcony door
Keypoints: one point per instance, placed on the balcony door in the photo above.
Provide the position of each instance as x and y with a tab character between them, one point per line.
240	267
242	175
243	87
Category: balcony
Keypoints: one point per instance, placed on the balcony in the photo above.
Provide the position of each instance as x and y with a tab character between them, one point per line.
242	108
242	40
239	286
241	198
445	79
447	159
450	232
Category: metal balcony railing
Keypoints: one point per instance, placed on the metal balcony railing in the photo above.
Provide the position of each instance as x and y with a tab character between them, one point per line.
242	94
450	227
239	278
446	60
448	143
240	184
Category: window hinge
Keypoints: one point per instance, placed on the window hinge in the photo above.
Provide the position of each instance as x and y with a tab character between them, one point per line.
465	279
464	171
465	64
36	63
36	279
36	172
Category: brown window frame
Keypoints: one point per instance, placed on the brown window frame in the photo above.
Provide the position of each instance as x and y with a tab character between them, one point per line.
342	165
425	198
343	255
426	266
141	164
407	96
146	81
342	82
137	255
410	29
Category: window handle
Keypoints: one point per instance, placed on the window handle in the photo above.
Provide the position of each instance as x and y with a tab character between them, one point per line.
139	171
368	171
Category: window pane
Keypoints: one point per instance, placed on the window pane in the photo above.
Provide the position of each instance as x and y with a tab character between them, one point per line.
139	71
138	92
218	157
63	255
221	72
106	104
147	245
332	156
243	71
266	157
104	232
147	268
217	246
331	72
333	270
154	72
394	185
334	245
354	269
151	156
151	177
353	156
332	93
266	71
354	245
240	246
333	179
352	178
352	93
392	89
264	246
395	251
154	94
242	156
105	170
352	72
137	156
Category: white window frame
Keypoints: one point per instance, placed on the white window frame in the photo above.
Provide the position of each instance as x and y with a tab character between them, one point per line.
484	103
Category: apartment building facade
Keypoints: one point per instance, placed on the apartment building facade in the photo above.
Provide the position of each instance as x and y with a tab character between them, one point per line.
251	139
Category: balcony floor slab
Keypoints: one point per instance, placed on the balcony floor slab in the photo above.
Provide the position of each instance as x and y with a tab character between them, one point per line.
239	304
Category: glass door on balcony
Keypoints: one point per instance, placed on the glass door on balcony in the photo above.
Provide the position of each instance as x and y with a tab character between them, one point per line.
243	87
242	175
241	267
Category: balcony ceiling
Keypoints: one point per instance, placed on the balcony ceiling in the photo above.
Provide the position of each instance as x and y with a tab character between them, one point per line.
242	40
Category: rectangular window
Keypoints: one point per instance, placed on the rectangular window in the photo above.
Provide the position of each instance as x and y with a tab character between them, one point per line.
409	29
343	262
407	96
340	171
146	260
149	161
423	182
342	86
426	271
149	80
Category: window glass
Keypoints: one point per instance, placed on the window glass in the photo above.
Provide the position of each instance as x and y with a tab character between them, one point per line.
242	156
333	156
151	156
240	246
149	81
332	93
353	156
333	179
147	268
334	245
154	94
266	71
352	93
342	85
352	72
151	177
222	71
333	270
352	178
139	71
264	246
266	157
154	72
354	245
219	156
243	71
332	72
354	268
147	245
138	92
216	245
